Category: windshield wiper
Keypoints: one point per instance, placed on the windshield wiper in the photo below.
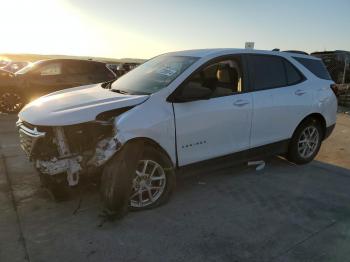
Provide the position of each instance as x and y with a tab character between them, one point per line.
119	91
108	84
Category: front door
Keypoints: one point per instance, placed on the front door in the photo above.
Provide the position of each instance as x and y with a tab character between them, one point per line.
216	125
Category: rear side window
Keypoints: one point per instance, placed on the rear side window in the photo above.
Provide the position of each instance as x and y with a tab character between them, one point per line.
293	75
315	66
268	71
51	69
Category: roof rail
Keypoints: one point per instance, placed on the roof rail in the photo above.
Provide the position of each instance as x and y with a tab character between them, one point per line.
296	52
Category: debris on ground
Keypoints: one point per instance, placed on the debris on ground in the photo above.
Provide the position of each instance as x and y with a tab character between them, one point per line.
260	164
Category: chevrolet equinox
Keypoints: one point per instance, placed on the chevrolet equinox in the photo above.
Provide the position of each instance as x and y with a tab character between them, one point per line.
176	111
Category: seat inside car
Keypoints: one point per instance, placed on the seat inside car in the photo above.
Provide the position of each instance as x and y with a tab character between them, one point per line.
227	80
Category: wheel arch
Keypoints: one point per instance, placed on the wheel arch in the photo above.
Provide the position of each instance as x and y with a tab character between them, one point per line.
152	143
318	117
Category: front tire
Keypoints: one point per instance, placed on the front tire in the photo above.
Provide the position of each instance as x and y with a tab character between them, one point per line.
137	178
306	142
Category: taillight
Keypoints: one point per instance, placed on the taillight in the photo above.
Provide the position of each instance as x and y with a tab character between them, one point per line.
334	87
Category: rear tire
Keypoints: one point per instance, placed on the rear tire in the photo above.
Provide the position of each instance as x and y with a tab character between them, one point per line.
122	178
306	142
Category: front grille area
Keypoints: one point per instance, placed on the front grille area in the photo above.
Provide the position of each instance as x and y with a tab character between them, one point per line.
28	137
84	137
40	142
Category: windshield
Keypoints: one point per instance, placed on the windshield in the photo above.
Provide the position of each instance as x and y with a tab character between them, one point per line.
153	75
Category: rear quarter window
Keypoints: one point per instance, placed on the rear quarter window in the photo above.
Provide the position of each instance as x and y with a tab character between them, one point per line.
293	75
316	67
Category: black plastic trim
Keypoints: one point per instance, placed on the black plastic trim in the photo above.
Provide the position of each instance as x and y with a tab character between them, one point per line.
258	153
329	131
176	153
113	113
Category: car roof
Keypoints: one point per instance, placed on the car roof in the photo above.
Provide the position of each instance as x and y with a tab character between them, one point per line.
202	53
67	60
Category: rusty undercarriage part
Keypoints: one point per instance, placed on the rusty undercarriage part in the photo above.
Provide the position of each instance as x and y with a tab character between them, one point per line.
71	149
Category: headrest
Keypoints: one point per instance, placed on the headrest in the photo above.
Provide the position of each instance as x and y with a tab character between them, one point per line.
223	74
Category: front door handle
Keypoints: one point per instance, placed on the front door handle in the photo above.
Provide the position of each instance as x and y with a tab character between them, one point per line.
240	102
300	92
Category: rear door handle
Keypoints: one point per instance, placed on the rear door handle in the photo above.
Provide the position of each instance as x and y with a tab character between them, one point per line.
300	92
240	102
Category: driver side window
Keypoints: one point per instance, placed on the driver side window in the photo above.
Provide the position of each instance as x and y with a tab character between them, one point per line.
222	78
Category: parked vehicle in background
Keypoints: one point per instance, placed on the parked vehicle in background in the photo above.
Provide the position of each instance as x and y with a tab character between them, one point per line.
175	111
48	76
122	68
113	67
13	67
3	63
338	65
125	68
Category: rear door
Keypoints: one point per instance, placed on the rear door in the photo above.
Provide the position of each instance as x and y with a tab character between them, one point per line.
281	98
219	125
88	72
77	73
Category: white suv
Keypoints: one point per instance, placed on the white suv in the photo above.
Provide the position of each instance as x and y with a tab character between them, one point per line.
179	110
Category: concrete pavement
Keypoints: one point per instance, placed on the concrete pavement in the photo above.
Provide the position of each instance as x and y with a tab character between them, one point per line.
283	213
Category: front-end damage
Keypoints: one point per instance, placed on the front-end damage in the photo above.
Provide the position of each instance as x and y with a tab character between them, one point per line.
72	150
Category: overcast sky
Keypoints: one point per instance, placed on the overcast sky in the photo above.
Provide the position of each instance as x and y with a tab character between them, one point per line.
145	28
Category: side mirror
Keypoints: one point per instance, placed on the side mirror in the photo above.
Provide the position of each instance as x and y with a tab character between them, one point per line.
192	91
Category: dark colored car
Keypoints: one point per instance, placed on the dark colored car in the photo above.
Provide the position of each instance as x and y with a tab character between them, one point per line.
13	67
44	77
126	67
3	63
337	63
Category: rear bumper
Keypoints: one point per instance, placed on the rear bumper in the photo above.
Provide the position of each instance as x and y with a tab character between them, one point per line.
329	131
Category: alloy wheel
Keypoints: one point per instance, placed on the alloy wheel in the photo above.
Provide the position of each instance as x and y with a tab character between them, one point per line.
10	102
308	142
148	184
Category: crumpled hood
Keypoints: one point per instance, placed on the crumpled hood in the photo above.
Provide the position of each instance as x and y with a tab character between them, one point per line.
76	105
